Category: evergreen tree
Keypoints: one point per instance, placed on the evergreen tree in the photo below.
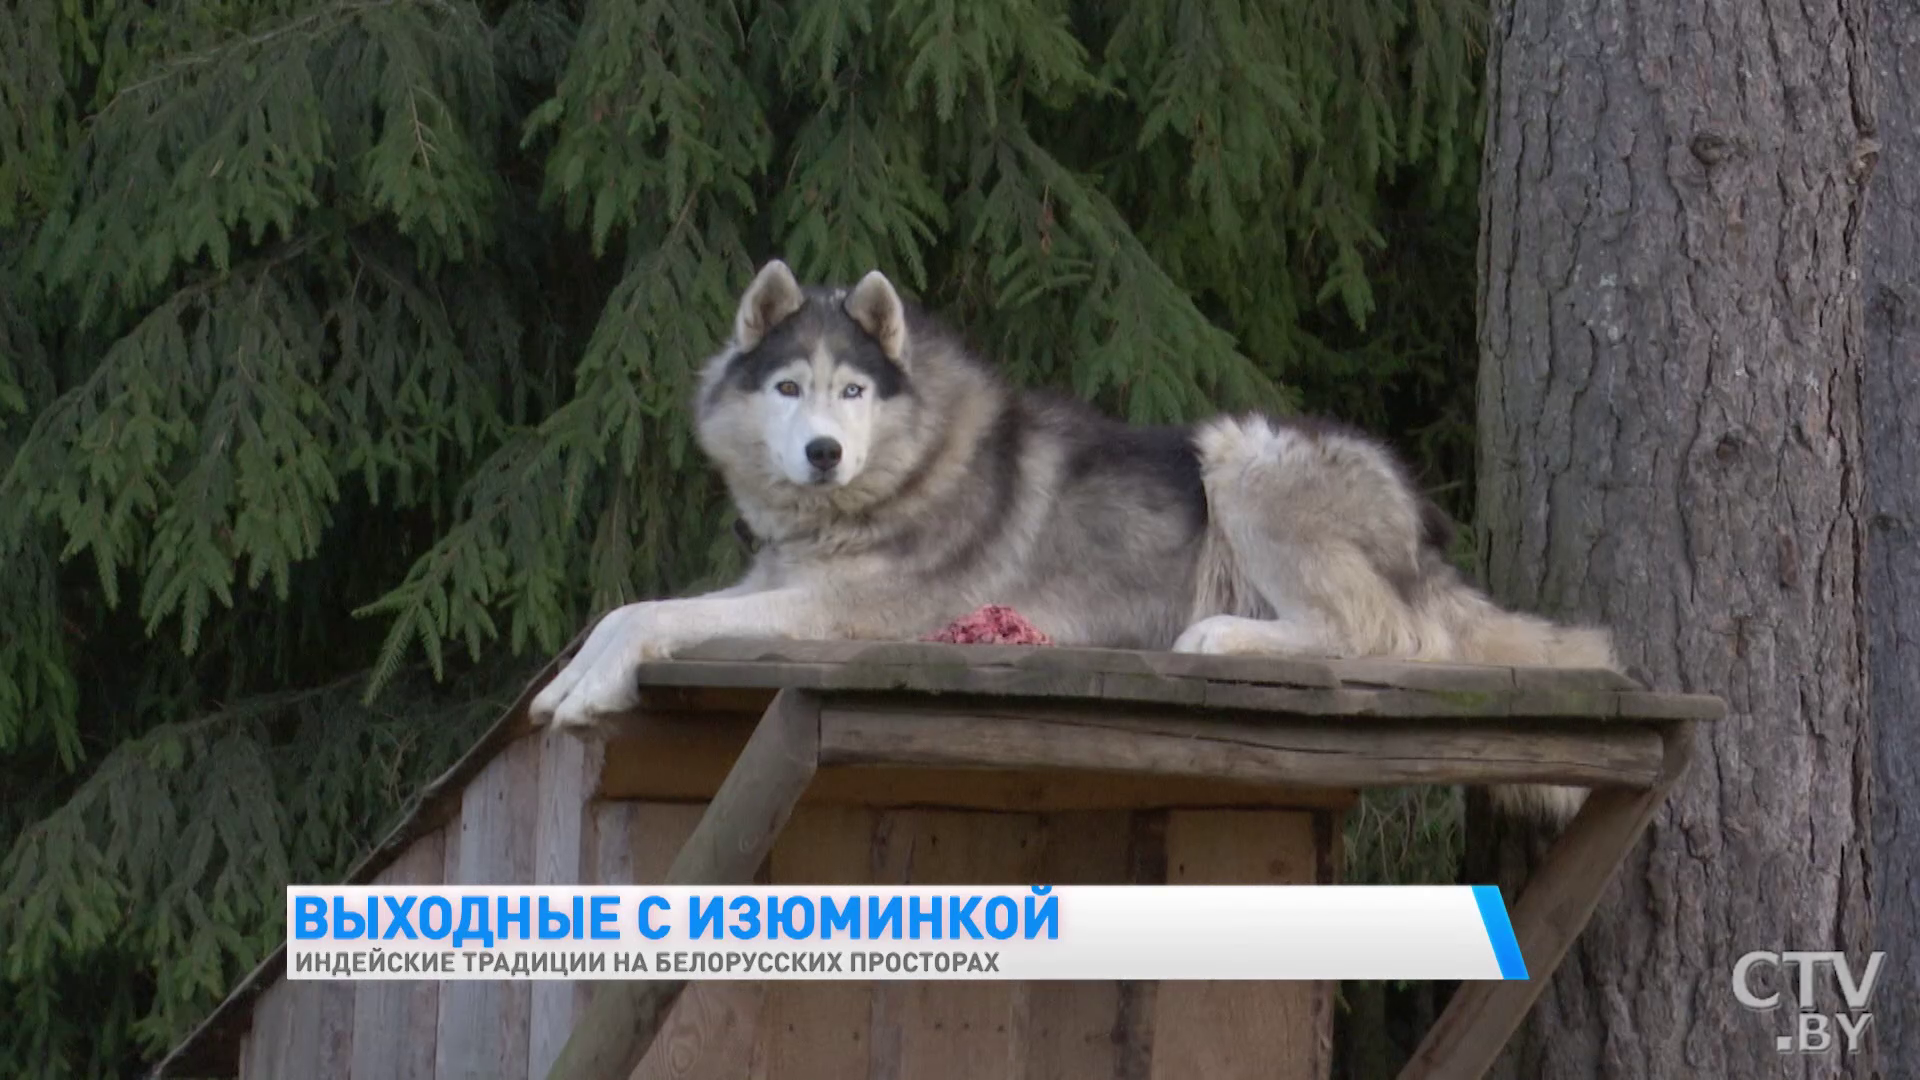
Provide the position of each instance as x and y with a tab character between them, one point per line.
345	348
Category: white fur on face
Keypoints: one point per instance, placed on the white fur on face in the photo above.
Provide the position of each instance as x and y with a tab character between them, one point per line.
816	398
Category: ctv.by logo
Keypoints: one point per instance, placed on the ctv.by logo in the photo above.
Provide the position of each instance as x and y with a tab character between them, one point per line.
1812	1033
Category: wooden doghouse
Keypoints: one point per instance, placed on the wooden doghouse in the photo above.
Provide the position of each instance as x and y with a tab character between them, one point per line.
852	763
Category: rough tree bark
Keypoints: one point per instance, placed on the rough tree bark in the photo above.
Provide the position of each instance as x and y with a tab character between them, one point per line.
1671	349
1890	413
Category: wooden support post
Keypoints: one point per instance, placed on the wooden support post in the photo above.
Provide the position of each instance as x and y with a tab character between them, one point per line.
733	838
1552	910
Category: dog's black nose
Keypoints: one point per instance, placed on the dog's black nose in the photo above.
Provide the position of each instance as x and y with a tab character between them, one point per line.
823	454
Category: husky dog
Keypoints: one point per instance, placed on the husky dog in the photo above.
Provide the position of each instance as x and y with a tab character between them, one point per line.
895	483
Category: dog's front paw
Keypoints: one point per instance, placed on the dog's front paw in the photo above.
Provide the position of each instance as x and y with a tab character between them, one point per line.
598	682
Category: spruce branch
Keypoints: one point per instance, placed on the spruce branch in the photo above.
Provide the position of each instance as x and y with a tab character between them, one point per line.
319	22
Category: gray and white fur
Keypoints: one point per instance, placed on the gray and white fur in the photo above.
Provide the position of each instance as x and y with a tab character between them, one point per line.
894	482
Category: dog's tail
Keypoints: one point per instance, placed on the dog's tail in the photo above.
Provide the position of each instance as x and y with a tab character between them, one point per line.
1482	632
1320	523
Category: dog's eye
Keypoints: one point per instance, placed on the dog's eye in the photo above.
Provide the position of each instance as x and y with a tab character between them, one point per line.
852	391
787	388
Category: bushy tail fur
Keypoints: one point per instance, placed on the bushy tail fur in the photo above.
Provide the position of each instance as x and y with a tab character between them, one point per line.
1482	632
1318	540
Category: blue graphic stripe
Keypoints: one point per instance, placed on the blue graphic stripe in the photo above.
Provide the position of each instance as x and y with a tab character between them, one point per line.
1493	912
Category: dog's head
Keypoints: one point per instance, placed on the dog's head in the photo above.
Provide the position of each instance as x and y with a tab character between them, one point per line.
810	383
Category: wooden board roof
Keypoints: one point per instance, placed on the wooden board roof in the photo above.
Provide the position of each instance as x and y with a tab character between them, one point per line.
1382	688
1180	683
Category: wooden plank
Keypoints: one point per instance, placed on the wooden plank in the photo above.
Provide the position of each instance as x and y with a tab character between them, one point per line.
1425	675
747	701
708	1035
1275	670
734	837
1417	675
930	678
937	679
304	1030
482	1028
1052	790
636	845
635	842
1238	1030
709	1031
1329	846
394	1022
955	1029
819	1029
1158	690
1035	682
1266	670
323	1020
1603	706
822	651
272	1017
562	852
1070	1026
685	757
1273	752
1552	910
1556	679
1256	670
1133	1028
746	816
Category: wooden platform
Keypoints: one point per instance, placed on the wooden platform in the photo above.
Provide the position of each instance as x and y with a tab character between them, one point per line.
1067	756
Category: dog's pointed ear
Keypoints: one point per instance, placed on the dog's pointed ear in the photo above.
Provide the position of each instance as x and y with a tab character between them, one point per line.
773	296
877	308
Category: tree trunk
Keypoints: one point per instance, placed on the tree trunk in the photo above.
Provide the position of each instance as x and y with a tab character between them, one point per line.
1892	442
1671	350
